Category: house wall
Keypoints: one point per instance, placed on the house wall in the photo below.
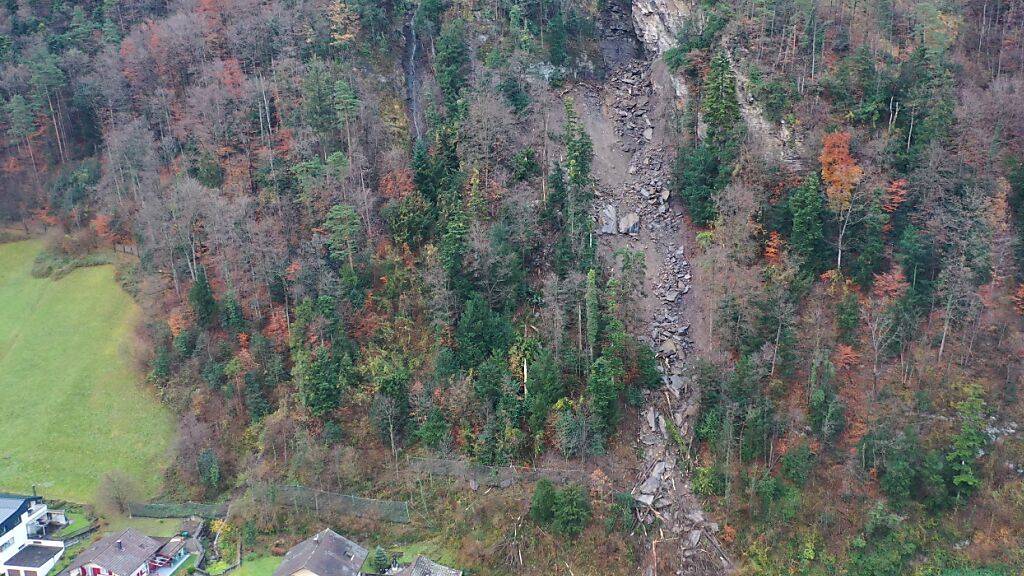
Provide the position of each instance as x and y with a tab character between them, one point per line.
16	539
97	570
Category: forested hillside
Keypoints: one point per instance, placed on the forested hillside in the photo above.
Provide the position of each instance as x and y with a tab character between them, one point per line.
364	231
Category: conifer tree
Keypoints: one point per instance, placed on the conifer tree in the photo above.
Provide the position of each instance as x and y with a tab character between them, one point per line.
721	109
200	296
807	206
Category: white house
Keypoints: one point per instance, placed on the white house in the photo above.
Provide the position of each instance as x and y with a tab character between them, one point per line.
24	548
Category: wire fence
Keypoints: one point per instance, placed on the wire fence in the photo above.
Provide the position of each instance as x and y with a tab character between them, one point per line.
179	509
495	476
321	501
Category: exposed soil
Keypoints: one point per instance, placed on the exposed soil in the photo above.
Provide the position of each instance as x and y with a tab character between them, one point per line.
629	119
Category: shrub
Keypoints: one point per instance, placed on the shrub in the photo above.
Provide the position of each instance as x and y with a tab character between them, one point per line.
572	511
797	463
708	481
543	502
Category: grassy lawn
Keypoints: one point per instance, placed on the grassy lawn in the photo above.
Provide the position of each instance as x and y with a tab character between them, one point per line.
148	526
261	566
187	565
72	409
430	549
77	521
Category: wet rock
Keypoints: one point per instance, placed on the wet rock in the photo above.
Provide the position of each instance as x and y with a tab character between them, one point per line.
609	217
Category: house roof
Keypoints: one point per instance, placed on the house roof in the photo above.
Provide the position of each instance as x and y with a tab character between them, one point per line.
424	566
135	549
33	556
325	554
12	507
171	546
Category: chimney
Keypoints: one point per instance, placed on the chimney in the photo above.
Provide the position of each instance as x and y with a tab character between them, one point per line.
119	544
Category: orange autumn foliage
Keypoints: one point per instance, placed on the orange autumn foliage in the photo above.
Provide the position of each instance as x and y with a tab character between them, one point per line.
895	194
397	184
177	321
1018	300
773	249
101	224
276	329
890	285
846	357
839	171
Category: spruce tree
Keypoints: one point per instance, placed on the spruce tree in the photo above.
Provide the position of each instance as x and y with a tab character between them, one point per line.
807	207
200	296
721	109
593	312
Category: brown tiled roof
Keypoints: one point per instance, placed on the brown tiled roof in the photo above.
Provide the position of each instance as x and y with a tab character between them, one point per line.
135	549
424	566
325	554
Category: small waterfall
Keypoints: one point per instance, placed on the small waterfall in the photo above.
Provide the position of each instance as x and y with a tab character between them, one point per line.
411	93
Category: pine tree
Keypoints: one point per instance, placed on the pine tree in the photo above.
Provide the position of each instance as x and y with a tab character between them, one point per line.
579	149
346	231
346	104
721	109
451	65
20	118
603	392
557	38
807	207
380	562
593	307
200	296
318	100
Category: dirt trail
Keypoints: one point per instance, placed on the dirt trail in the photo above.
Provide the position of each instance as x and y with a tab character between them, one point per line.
626	117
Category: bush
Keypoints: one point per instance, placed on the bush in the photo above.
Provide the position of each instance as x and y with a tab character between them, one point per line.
708	481
797	463
572	511
543	502
566	511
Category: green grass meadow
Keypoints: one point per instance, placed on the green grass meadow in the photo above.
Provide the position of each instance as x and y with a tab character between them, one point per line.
71	407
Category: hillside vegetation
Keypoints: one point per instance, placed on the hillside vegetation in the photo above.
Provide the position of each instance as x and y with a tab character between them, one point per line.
366	231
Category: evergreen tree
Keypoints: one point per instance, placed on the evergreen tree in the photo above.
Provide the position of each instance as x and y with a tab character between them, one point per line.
545	388
20	118
593	313
579	150
346	105
557	38
698	176
379	563
451	64
603	392
318	99
200	296
967	444
807	207
345	230
572	511
542	505
321	377
721	109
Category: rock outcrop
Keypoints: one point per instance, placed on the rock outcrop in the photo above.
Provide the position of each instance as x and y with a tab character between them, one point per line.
659	22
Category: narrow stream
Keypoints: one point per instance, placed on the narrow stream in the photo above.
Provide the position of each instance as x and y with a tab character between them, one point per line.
409	66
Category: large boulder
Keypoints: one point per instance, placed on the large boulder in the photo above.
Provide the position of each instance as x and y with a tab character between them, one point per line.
629	224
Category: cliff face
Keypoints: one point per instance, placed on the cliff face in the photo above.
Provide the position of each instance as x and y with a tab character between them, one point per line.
658	22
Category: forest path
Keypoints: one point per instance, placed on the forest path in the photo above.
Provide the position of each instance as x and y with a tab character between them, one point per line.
628	118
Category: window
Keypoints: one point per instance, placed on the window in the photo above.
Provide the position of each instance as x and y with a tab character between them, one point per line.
6	545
